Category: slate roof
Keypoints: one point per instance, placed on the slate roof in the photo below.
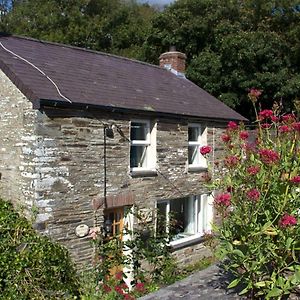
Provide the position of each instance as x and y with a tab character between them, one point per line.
95	78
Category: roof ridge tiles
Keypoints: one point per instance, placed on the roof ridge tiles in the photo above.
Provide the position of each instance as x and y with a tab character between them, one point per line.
81	49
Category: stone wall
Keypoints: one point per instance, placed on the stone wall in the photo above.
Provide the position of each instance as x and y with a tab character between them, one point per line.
52	161
17	136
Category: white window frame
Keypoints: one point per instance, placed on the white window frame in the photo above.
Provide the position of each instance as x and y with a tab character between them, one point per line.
203	216
149	143
201	141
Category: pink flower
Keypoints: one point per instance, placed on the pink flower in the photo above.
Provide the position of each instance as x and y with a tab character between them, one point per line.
223	199
119	290
93	233
275	119
124	286
253	170
288	118
119	276
250	147
244	135
140	287
268	156
266	126
106	288
232	125
225	138
255	92
205	150
231	161
265	114
287	220
284	129
296	126
253	194
295	179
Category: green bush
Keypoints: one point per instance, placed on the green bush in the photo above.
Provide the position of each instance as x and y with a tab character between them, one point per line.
31	266
258	203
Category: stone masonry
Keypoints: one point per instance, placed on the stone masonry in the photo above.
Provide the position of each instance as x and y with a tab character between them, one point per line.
52	164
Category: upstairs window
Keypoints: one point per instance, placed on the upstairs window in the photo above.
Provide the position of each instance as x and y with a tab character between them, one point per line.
196	138
143	149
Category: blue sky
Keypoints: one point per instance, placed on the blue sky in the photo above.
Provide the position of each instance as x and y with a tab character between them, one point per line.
159	2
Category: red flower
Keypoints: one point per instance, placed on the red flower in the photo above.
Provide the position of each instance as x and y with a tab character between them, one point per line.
231	161
265	114
106	288
225	138
296	126
253	170
295	179
124	286
119	275
268	156
140	287
119	290
255	92
244	135
288	118
253	194
205	150
128	297
284	129
287	220
275	119
232	125
223	199
250	147
265	126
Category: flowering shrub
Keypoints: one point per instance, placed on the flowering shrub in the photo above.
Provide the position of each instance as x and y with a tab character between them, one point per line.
148	254
258	202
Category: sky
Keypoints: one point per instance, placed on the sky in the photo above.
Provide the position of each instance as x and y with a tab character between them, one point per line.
159	2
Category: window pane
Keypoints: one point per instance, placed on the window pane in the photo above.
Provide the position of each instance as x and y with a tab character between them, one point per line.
193	154
138	156
161	217
138	131
194	133
182	217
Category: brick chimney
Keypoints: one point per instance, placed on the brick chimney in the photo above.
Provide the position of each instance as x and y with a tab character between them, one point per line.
173	60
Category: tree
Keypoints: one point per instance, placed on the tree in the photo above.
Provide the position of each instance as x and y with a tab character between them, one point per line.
113	26
232	46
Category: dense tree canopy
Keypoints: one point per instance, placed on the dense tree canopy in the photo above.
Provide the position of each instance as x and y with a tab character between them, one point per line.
113	26
231	46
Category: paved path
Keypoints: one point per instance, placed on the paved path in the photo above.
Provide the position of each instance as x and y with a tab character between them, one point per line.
204	285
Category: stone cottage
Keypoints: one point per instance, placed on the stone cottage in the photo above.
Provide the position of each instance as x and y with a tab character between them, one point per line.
85	135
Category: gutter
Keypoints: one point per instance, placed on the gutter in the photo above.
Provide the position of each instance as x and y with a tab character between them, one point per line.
44	103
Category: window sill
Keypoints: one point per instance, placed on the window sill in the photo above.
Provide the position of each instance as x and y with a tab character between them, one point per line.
192	169
143	173
185	242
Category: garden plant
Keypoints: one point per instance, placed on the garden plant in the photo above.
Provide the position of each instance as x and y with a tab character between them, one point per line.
32	266
258	204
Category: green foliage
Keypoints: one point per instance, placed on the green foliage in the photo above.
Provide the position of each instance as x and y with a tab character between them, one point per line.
32	267
113	26
258	203
233	46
